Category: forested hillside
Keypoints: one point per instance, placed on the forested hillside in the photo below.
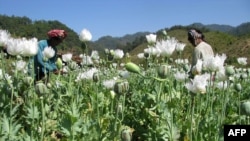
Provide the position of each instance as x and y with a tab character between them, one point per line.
233	41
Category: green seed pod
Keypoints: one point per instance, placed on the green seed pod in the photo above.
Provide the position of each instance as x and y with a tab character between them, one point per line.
248	71
230	70
238	87
163	71
245	107
28	80
186	67
73	65
243	76
146	55
41	88
121	87
59	63
96	77
126	135
131	67
110	57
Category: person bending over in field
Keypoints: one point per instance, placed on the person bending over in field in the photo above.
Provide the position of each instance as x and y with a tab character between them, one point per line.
42	66
202	49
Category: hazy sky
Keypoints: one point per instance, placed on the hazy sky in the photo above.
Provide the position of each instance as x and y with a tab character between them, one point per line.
120	17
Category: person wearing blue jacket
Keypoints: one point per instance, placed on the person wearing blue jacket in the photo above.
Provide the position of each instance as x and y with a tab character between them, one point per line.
43	68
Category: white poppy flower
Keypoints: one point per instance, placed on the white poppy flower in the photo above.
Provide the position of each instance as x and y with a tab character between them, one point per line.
85	35
140	55
180	47
214	63
67	57
20	65
222	85
13	46
118	54
86	60
242	60
86	75
197	68
109	84
198	84
4	36
48	53
180	76
221	74
166	47
152	51
151	38
95	55
30	47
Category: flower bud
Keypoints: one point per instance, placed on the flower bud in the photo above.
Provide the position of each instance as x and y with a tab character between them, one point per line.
163	71
112	52
126	135
59	63
229	70
131	67
106	51
245	106
121	87
49	85
41	88
45	59
112	94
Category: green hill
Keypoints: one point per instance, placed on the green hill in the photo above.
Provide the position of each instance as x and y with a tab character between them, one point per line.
233	41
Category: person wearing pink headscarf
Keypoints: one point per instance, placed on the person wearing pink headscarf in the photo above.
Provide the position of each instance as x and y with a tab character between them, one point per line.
43	68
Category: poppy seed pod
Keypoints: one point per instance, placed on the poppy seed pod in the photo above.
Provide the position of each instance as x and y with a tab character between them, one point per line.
41	88
121	87
73	65
162	71
186	67
28	80
229	70
238	87
131	67
96	77
245	106
146	55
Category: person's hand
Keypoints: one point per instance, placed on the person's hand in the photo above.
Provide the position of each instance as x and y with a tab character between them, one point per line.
59	72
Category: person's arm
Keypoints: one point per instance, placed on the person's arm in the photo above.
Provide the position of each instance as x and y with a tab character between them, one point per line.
195	56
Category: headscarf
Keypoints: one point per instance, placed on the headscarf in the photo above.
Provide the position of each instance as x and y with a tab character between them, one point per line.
194	34
57	33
